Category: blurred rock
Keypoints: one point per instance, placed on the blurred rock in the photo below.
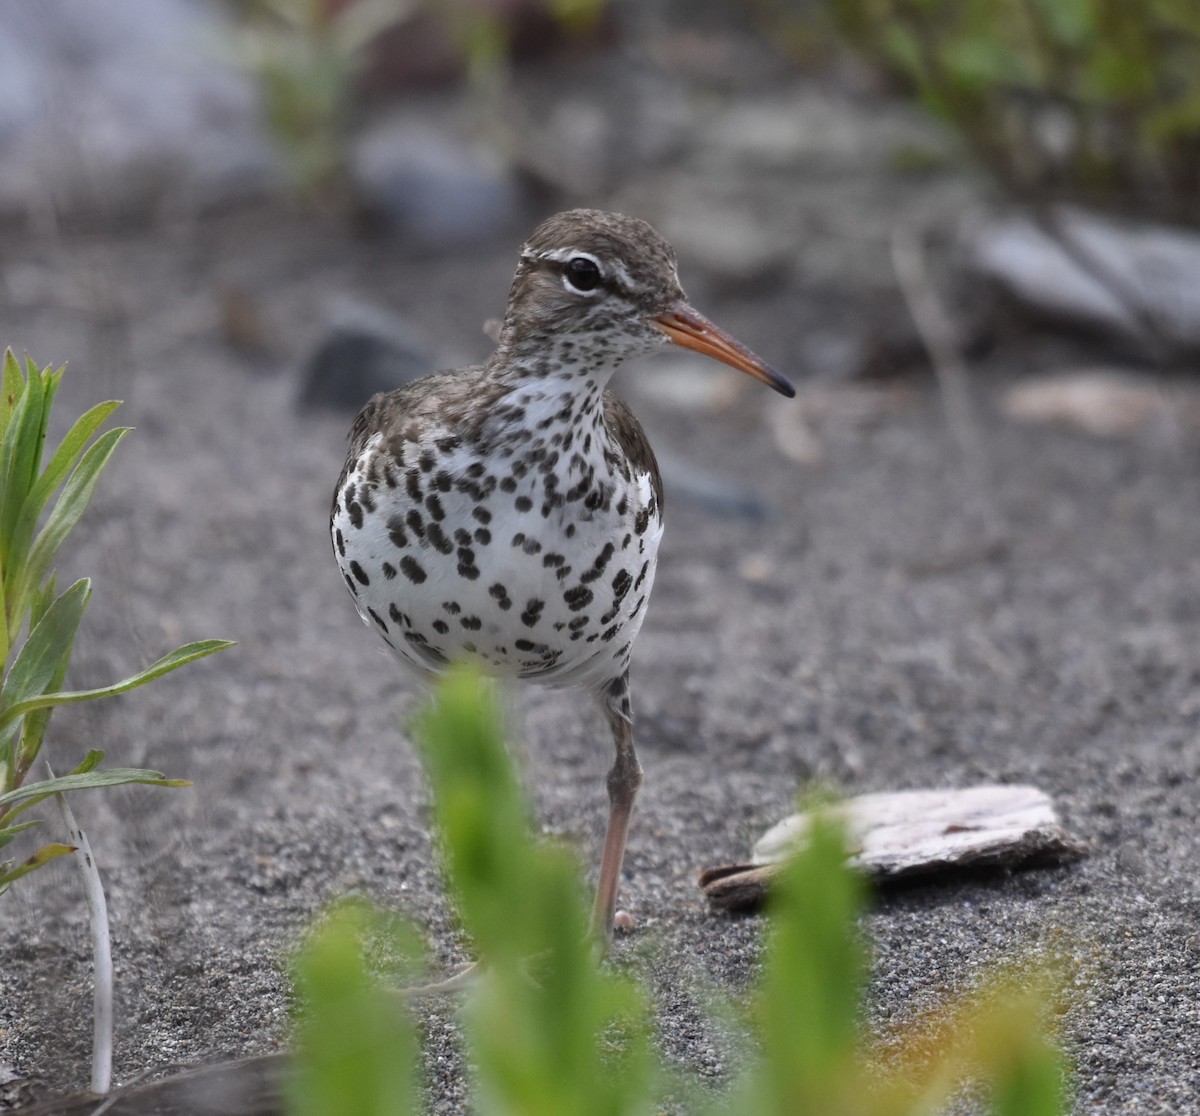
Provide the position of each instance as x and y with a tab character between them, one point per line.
1115	274
683	479
114	109
584	146
365	350
1104	402
737	249
430	187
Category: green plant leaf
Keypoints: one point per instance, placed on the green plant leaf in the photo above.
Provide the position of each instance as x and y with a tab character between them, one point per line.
173	661
43	654
18	452
89	762
44	855
27	795
54	474
12	384
70	506
356	1042
8	832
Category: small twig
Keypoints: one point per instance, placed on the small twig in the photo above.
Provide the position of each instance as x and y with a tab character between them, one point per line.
940	339
93	891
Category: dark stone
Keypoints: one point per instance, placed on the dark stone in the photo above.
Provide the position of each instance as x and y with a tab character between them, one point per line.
365	350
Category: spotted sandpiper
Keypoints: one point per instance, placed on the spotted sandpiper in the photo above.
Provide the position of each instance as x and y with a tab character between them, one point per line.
510	513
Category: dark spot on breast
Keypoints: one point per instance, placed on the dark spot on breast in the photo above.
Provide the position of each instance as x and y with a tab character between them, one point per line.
500	594
452	607
578	597
579	623
412	569
354	510
608	633
642	576
621	584
448	443
360	575
531	546
434	504
471	623
523	503
641	521
533	610
441	627
508	484
412	484
482	515
378	619
349	494
462	536
350	583
551	558
339	541
483	536
569	530
415	524
599	565
443	480
396	532
437	538
367	496
389	571
398	617
468	570
426	461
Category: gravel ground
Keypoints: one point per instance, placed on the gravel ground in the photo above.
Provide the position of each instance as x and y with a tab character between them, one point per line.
859	636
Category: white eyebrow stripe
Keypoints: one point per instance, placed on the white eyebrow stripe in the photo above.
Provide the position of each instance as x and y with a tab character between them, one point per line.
614	268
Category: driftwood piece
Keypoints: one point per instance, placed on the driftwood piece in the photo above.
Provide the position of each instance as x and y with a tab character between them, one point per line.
900	835
1139	282
247	1087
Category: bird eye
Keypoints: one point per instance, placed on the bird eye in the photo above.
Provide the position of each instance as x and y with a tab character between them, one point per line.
582	273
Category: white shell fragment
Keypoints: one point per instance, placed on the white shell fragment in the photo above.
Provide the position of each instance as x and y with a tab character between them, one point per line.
899	834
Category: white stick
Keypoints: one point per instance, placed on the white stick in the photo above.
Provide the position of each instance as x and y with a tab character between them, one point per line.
93	892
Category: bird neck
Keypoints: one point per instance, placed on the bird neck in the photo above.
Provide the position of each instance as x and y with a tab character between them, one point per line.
550	387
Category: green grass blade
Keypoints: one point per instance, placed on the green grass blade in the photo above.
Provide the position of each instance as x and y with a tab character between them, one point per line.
44	855
25	796
173	661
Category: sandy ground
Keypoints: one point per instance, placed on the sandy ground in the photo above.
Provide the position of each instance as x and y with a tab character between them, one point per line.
859	635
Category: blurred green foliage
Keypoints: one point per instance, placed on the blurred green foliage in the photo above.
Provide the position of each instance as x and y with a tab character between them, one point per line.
1089	100
308	56
552	1033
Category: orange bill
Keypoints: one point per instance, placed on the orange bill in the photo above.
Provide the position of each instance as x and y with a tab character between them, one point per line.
691	329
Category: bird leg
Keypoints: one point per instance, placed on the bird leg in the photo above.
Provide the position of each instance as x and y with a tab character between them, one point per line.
623	782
